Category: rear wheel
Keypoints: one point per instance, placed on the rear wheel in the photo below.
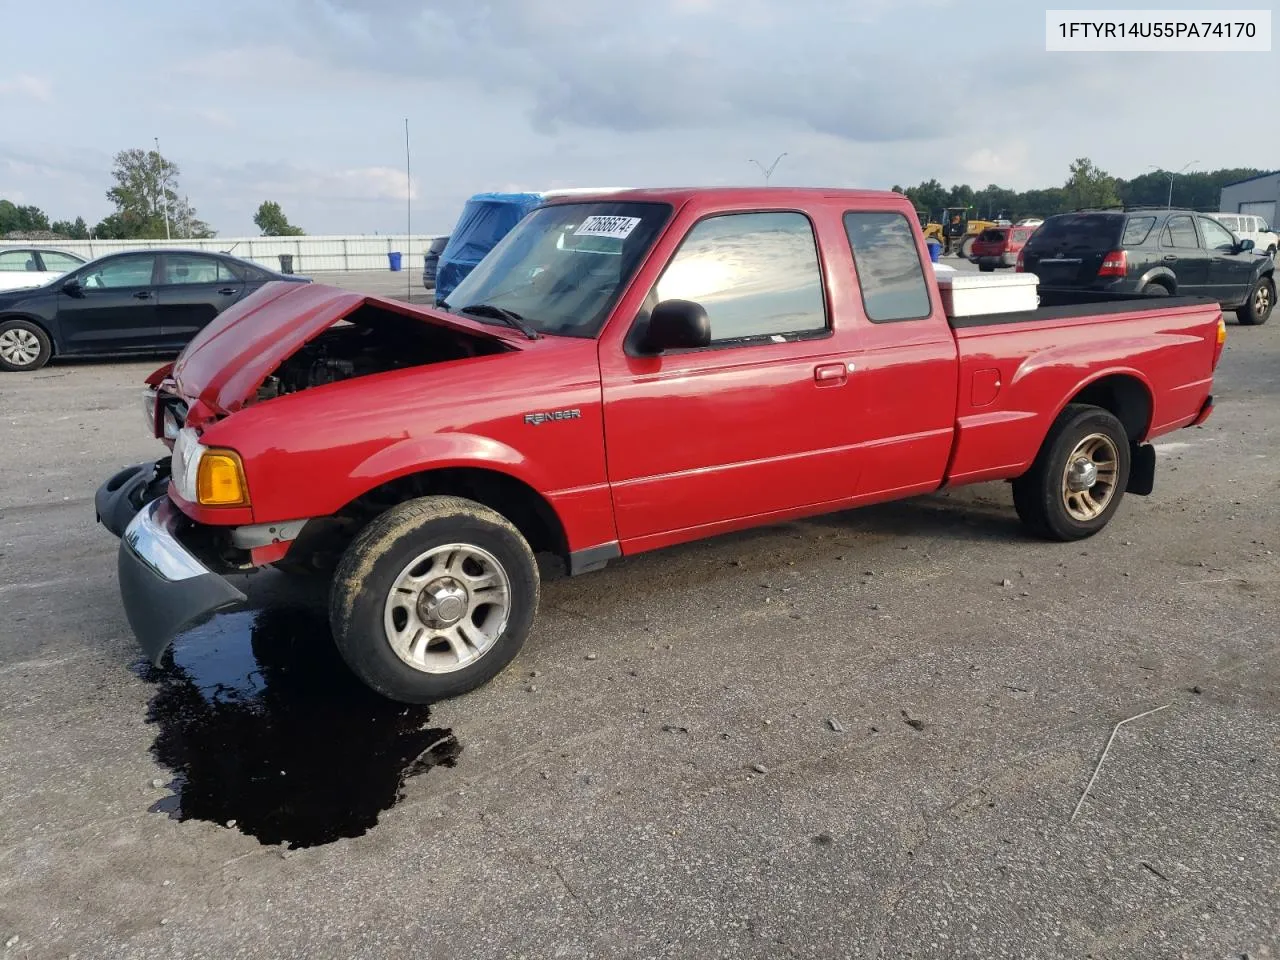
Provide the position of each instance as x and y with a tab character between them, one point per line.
23	346
986	268
1262	299
1078	479
1155	290
433	598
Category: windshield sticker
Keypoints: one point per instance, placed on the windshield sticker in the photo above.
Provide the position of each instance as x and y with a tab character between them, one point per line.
619	228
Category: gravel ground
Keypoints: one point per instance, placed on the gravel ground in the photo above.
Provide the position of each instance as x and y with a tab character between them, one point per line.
838	738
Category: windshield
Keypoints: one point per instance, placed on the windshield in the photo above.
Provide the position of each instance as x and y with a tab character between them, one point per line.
564	266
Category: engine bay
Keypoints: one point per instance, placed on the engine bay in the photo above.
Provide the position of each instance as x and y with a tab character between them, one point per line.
371	340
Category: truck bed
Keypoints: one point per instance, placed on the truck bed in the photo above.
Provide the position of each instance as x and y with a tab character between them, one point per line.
1066	304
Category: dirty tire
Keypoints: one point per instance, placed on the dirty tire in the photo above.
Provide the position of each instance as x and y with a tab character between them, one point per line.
1262	300
23	346
1038	495
1154	290
369	571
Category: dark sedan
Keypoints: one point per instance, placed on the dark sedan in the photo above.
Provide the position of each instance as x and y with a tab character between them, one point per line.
150	301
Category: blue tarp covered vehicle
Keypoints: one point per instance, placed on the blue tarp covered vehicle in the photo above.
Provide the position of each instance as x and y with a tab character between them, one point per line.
486	219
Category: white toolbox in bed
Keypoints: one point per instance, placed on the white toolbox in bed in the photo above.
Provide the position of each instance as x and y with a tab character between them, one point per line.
969	294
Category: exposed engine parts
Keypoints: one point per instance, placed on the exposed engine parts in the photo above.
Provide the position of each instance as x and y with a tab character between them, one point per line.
371	341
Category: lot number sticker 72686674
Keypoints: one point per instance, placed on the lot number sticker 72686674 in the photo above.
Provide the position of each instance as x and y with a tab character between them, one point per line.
619	228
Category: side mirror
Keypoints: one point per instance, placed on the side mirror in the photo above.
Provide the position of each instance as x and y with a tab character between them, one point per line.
73	288
1246	246
677	324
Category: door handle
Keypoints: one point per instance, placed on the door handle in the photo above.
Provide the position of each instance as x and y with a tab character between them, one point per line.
831	374
142	295
227	291
1169	258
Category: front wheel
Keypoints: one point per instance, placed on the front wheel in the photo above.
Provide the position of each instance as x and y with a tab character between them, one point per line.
1079	477
433	598
23	346
1262	299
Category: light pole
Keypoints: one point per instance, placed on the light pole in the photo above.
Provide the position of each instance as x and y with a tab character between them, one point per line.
768	172
1169	205
164	200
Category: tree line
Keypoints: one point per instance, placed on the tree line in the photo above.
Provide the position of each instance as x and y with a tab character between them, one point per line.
148	206
1086	186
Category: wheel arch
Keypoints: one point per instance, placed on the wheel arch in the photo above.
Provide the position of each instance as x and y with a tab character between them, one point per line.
527	509
1123	393
1161	275
35	321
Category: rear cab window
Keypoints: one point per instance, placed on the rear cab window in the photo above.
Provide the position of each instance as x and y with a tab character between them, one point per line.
890	274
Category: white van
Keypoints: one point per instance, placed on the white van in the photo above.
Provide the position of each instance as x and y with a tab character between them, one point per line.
1246	226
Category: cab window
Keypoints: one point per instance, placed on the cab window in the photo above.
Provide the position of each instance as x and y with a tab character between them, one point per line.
756	275
890	274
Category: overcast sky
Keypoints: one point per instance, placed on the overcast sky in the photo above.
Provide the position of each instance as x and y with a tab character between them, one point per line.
303	101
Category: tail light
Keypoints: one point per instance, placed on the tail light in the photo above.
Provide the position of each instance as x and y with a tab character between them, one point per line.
1114	264
1021	266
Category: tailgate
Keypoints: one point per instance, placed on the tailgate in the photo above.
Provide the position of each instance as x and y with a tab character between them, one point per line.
1065	269
1068	250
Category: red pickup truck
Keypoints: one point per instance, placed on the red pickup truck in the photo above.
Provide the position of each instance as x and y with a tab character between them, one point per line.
621	373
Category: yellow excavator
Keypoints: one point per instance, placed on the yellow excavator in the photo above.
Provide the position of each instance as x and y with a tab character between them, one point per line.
953	229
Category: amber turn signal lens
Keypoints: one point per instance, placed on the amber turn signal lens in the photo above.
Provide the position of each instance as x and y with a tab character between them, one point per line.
1222	331
220	480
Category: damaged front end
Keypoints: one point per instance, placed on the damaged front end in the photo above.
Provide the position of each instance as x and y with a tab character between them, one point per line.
165	588
282	340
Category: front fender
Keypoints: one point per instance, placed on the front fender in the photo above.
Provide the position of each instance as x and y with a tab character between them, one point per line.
442	451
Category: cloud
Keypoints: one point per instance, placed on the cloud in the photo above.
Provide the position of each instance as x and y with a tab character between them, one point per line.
997	164
274	181
26	85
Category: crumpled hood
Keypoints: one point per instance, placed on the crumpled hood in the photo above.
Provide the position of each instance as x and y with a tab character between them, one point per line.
224	364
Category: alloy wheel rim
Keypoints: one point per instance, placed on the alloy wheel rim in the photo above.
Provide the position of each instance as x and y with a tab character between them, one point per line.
447	608
1089	477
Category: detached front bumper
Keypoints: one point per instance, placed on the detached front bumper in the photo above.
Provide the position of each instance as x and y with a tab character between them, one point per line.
164	586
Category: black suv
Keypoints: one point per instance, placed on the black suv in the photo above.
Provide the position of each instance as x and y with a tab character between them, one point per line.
1154	252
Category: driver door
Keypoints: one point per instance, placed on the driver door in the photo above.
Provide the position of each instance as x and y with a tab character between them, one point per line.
113	308
1230	273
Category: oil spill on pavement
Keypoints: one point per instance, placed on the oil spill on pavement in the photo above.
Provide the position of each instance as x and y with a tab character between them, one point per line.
263	724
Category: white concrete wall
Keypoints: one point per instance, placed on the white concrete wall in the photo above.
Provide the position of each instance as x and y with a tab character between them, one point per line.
310	254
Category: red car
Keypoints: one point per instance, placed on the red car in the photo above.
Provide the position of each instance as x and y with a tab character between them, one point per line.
621	373
999	247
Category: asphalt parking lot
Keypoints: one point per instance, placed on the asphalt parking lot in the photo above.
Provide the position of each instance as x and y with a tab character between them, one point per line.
858	736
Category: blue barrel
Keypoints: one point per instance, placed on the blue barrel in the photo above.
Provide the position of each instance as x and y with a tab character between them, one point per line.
395	261
935	251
